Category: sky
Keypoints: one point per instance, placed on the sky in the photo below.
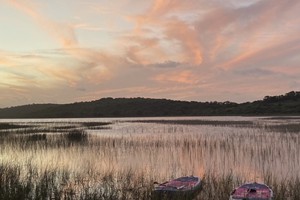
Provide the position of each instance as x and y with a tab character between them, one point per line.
64	51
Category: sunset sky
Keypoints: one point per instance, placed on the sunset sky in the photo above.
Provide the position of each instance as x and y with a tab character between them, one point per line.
63	51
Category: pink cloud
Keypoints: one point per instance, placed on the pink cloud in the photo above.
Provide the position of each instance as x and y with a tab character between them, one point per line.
167	28
185	77
168	47
92	65
264	35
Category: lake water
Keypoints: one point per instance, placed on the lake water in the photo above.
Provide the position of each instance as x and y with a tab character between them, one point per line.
250	148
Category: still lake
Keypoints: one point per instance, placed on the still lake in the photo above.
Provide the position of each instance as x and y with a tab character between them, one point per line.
250	148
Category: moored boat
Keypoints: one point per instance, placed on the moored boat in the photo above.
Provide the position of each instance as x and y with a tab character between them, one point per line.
186	186
252	191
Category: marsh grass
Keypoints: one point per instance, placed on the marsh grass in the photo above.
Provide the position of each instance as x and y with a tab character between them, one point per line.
57	184
54	127
285	128
282	126
96	125
101	160
201	122
37	137
218	187
78	136
5	126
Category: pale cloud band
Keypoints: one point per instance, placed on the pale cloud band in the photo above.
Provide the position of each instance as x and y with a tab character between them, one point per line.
190	50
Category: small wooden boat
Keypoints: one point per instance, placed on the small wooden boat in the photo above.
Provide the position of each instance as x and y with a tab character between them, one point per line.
185	187
252	191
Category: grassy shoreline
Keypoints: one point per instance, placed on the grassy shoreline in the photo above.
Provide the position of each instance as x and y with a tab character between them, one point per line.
57	184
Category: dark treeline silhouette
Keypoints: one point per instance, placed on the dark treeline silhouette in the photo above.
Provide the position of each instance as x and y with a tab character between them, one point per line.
288	104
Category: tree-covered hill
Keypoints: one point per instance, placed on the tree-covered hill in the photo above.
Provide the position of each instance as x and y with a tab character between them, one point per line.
288	104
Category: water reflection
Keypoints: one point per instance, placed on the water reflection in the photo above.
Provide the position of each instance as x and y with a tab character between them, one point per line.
159	149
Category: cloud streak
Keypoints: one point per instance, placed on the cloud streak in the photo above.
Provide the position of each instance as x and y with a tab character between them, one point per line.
192	50
87	64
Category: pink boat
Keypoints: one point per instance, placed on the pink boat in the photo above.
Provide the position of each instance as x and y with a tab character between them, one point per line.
252	191
180	188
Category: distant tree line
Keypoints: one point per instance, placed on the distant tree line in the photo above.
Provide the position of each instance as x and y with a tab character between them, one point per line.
291	96
288	104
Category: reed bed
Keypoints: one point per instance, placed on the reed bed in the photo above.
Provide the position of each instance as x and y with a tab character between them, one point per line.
121	159
201	122
5	126
57	184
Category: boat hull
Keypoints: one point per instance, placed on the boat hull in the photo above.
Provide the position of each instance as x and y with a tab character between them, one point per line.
181	188
252	191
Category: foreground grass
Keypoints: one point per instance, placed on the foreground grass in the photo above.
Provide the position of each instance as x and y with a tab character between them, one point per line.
56	184
220	187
